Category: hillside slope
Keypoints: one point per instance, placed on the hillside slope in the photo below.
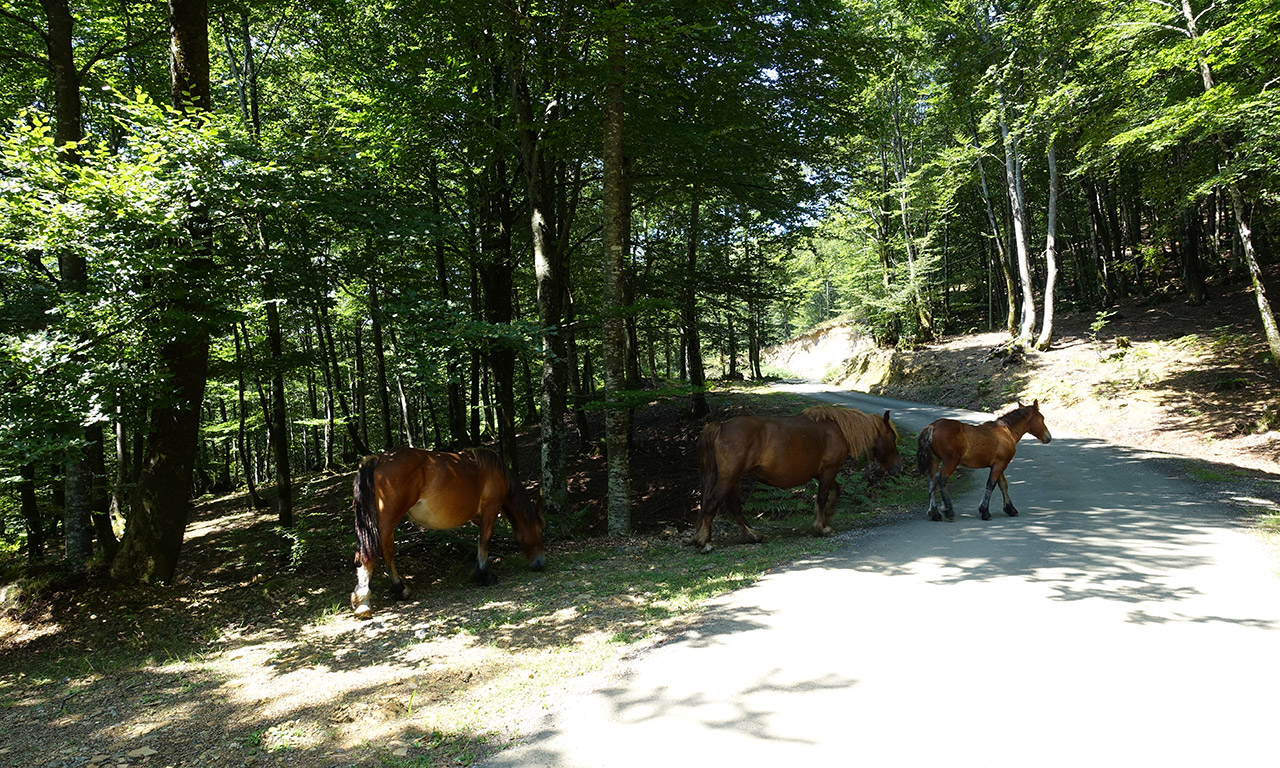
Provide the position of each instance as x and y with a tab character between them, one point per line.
1170	377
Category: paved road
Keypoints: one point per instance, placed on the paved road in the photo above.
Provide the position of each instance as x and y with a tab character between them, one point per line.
1119	621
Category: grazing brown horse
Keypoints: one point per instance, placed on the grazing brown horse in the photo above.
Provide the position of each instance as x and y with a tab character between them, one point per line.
786	451
947	443
436	491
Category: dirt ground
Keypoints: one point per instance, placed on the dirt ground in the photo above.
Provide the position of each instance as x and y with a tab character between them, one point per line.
252	657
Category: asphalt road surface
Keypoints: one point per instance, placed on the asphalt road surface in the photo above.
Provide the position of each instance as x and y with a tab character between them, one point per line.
1121	620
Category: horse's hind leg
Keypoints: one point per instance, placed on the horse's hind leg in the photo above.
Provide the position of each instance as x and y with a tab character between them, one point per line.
702	531
734	500
938	484
824	508
995	478
399	590
948	509
360	597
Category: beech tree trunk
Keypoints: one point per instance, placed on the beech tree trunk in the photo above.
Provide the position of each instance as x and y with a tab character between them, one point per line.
617	418
692	340
1014	184
1050	254
158	520
279	412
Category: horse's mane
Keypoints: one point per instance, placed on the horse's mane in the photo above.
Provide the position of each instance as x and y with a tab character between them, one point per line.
1014	415
859	429
519	497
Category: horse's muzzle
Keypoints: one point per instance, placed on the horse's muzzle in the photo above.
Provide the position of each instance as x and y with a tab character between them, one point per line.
538	563
896	469
1047	437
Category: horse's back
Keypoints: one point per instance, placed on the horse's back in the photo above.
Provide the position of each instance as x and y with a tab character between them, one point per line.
783	451
972	446
436	489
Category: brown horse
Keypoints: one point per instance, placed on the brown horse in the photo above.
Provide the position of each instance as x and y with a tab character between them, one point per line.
436	491
947	443
786	451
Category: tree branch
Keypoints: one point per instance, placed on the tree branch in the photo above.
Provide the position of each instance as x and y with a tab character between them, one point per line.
1168	27
28	23
103	52
17	55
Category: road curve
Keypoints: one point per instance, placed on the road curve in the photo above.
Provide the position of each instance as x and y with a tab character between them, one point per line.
1121	620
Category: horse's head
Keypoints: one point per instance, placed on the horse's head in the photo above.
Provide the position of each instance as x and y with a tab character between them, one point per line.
529	532
885	447
1035	422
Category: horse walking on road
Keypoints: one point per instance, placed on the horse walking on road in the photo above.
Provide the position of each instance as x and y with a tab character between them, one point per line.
436	491
947	443
787	451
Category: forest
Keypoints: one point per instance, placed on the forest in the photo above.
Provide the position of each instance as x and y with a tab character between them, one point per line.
243	241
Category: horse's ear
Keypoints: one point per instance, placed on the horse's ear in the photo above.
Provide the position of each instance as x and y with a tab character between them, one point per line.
886	418
1036	403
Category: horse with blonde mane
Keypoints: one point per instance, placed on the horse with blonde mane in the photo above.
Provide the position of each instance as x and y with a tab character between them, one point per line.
787	451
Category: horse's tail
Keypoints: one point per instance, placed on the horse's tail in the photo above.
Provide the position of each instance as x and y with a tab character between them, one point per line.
708	470
924	450
368	542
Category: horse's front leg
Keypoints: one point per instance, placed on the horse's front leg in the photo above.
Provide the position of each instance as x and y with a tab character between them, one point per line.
1009	509
993	479
483	574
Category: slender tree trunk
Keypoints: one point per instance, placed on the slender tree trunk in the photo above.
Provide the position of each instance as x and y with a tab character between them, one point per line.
457	416
31	512
406	411
693	342
119	505
617	426
279	411
380	365
924	318
1010	285
326	328
82	473
357	383
577	387
1050	254
1027	325
550	275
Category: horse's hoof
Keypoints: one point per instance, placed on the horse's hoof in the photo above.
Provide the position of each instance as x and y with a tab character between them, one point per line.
1011	512
985	515
950	518
935	516
400	591
485	578
707	549
364	612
